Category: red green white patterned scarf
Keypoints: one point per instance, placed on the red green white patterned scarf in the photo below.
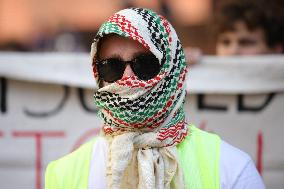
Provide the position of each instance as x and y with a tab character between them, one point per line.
144	120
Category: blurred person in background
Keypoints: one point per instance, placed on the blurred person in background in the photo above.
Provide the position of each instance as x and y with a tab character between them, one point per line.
146	142
249	28
244	27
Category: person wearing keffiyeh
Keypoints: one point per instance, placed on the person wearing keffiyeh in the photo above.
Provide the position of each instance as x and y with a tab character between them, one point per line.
146	142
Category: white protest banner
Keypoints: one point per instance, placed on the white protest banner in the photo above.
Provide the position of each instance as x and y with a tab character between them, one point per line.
46	110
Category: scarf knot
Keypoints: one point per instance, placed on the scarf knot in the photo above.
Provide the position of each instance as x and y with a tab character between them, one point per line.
135	155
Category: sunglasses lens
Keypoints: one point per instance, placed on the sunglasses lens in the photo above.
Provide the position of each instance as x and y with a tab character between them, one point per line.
110	70
146	66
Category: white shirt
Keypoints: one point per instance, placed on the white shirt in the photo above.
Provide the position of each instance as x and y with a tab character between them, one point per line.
237	170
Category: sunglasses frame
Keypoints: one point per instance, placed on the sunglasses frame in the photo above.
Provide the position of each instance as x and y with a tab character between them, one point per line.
137	71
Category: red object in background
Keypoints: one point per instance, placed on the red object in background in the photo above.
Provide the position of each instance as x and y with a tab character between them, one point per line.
202	125
85	137
38	135
259	148
259	152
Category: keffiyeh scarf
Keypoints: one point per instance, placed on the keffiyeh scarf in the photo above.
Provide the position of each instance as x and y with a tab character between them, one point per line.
144	120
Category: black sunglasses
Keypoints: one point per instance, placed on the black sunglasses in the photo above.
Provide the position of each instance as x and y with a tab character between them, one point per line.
144	66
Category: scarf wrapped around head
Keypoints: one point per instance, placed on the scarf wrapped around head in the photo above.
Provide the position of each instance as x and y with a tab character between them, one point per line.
144	120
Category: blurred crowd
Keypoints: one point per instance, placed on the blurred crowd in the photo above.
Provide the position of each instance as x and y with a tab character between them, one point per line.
221	27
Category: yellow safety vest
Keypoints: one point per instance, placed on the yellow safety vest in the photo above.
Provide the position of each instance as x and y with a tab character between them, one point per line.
199	156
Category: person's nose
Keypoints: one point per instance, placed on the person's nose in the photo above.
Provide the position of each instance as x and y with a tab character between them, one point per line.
128	71
234	49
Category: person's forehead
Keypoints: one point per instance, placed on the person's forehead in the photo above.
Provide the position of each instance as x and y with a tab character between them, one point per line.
116	38
241	29
118	45
242	26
